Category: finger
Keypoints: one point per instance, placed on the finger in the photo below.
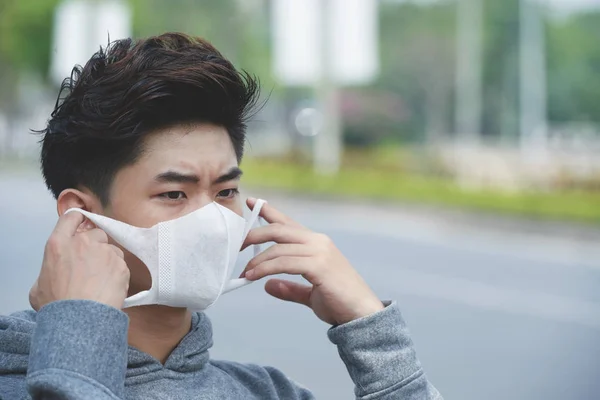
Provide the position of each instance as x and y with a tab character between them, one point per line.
286	265
278	250
95	235
68	223
289	291
117	251
85	226
277	233
271	214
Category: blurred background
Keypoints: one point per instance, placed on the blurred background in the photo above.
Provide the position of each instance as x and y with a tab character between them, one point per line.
449	147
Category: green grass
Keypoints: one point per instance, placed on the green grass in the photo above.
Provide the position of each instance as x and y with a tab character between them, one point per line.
384	184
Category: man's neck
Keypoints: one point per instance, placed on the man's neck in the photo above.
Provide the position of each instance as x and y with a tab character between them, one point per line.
157	330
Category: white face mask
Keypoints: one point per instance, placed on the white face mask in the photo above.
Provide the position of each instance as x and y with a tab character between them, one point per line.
190	258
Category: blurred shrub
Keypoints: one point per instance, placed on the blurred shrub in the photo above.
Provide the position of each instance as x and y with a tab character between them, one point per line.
371	116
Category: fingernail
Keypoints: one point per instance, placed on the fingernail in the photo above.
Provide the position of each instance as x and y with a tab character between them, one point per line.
249	274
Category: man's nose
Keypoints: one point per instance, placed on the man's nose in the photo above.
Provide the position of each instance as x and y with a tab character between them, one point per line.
202	200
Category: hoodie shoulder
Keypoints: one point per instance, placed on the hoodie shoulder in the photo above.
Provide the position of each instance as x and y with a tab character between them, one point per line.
264	382
16	331
25	315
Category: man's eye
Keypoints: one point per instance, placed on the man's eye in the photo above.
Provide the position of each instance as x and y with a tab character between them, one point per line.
228	193
173	195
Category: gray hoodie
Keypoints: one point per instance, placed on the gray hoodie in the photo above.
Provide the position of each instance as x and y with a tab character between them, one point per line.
76	349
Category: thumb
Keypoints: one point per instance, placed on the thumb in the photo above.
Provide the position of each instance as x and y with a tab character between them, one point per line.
289	291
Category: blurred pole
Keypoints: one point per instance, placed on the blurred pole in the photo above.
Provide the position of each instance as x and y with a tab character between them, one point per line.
9	136
468	70
80	27
532	92
90	27
8	108
327	150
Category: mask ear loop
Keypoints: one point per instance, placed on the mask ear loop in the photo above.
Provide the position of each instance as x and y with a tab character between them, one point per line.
256	218
233	284
255	215
258	247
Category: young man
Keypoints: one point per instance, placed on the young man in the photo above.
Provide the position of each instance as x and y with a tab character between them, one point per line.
150	135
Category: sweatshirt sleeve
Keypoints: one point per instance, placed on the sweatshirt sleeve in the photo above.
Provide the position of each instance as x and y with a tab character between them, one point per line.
78	350
381	359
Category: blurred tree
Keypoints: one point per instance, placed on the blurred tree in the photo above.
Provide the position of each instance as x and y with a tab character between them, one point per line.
501	68
417	50
417	65
417	59
574	68
238	28
26	34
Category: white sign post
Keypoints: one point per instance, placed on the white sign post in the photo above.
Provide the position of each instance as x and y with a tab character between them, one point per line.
81	27
325	44
532	82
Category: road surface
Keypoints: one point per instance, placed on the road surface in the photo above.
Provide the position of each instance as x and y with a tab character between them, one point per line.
496	313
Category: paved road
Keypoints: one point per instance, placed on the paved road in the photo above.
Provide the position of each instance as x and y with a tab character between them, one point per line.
496	313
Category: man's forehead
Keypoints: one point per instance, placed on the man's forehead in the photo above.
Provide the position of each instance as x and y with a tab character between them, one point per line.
204	146
185	135
202	153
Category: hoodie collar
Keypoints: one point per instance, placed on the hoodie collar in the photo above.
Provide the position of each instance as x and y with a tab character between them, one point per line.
191	354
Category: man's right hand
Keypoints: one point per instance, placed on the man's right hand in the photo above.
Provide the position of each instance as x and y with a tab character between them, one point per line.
80	266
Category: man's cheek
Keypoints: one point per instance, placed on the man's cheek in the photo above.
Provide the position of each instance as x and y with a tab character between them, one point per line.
140	275
237	206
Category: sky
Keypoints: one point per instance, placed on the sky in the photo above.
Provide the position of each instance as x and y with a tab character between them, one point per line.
573	5
563	5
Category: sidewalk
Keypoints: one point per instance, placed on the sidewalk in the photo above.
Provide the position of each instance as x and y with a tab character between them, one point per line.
549	241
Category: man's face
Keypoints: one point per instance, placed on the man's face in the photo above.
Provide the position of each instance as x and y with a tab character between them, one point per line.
181	169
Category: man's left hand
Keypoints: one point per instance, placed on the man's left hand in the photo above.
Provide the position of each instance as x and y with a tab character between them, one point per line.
337	293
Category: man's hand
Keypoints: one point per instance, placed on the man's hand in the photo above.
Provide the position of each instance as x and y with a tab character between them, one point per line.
80	265
338	294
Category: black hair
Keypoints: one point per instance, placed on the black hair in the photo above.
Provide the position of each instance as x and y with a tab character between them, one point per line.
132	88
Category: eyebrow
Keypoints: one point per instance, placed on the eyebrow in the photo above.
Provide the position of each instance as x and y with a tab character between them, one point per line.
178	177
231	175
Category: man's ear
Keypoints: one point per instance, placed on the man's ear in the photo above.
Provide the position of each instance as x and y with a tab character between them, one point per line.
73	198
